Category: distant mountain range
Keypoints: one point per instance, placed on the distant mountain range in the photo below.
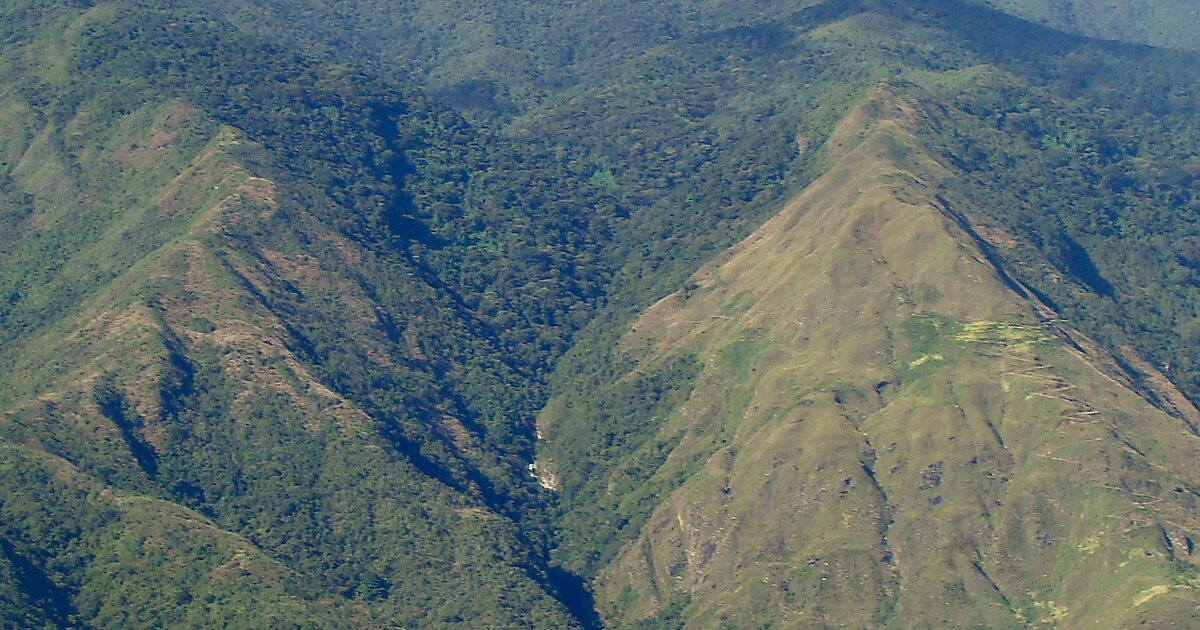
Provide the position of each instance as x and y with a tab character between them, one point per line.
1171	23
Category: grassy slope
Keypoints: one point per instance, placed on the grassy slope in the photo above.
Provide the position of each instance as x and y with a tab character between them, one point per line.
879	422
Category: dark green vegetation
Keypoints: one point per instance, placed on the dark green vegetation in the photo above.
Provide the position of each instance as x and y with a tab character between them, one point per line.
496	58
284	285
223	330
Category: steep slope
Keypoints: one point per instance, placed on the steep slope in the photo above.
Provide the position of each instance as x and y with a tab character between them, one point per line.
230	393
179	385
691	120
855	418
272	328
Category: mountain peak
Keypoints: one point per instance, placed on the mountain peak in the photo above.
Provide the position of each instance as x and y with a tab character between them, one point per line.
881	418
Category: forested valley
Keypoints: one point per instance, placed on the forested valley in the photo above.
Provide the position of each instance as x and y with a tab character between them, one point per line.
516	314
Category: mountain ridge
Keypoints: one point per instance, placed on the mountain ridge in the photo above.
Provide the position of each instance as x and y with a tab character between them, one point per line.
760	423
276	324
218	333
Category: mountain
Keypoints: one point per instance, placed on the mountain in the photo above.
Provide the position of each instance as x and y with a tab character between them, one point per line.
1170	23
224	369
498	57
369	314
869	416
1095	138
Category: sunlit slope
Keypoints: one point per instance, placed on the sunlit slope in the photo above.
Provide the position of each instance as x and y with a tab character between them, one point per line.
880	429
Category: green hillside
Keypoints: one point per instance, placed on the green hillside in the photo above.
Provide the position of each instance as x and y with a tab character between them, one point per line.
874	416
691	130
223	369
497	57
518	314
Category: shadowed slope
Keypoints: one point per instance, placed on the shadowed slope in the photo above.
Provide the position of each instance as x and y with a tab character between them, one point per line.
882	431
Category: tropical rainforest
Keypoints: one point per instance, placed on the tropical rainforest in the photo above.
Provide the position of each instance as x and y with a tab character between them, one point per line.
678	314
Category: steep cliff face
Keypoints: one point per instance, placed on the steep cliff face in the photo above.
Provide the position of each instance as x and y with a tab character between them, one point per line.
883	428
